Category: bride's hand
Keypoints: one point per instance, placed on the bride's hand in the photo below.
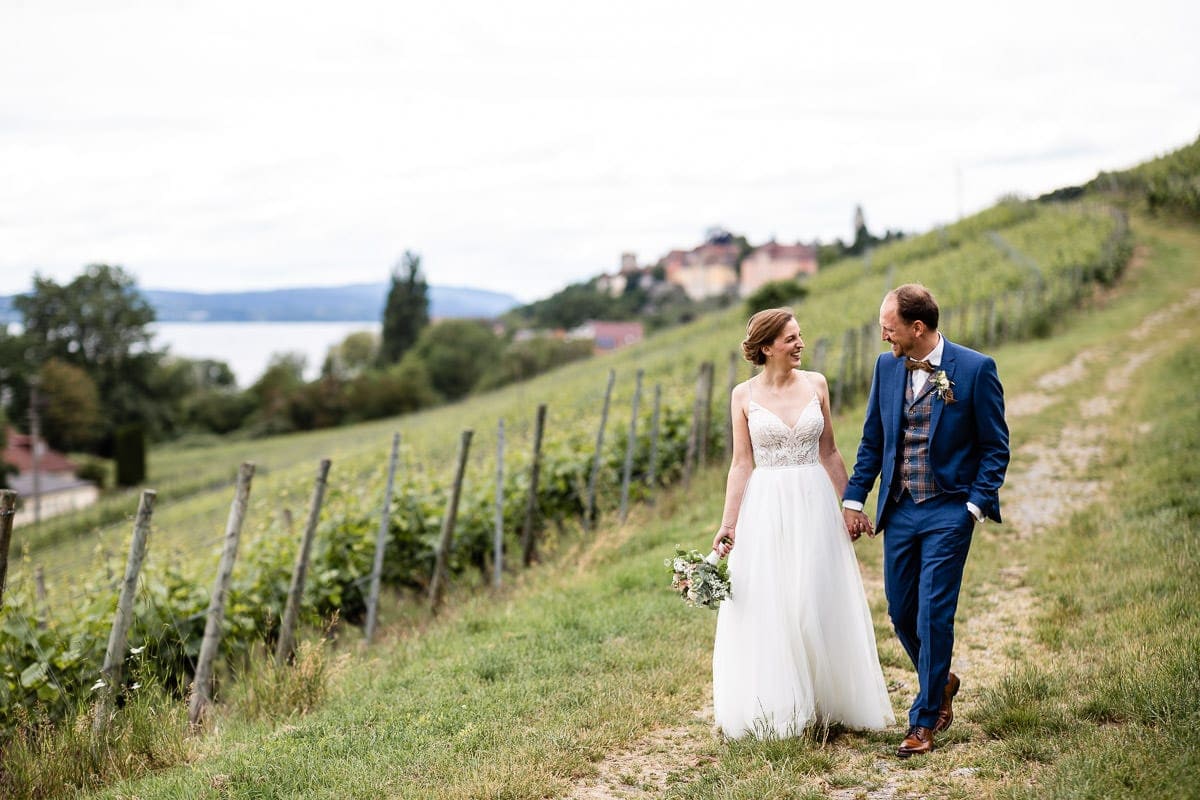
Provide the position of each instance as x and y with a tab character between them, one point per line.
723	541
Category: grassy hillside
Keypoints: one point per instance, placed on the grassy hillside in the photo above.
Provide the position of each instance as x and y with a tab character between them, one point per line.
1007	273
1001	256
1079	633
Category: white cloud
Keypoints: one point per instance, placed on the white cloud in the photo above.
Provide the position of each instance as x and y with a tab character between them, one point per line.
520	146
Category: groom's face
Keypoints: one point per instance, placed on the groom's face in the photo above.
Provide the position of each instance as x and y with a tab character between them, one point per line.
895	331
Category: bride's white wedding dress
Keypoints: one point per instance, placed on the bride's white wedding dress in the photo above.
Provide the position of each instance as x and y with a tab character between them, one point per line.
795	644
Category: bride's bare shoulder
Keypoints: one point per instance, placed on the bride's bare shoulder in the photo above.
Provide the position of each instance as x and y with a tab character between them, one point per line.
817	378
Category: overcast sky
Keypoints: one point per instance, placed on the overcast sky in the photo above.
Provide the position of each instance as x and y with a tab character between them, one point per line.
520	146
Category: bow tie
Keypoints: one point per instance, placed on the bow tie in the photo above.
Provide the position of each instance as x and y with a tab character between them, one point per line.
913	364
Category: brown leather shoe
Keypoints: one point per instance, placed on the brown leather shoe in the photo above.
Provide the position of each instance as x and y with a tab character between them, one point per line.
946	712
918	741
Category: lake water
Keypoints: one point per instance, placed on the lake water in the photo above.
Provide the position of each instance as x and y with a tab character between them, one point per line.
247	347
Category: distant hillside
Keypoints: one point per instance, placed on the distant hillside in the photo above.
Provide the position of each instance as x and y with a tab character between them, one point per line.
352	303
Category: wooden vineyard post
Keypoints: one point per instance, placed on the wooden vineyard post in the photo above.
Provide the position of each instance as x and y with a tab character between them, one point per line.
202	684
440	575
114	654
693	442
865	342
733	357
498	543
291	613
8	509
709	372
385	516
39	585
529	532
630	445
652	472
820	352
990	335
839	392
589	514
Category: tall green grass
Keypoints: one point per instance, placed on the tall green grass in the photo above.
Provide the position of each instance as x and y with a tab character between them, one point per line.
1116	711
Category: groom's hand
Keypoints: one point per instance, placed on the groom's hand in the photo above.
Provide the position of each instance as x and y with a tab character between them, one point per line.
857	523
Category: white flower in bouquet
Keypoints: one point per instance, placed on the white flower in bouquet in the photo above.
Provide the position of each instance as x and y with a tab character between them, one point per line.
702	581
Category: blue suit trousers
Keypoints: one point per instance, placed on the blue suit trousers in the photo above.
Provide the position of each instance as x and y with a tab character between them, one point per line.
924	550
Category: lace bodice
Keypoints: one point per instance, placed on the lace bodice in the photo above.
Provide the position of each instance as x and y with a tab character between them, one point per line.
777	445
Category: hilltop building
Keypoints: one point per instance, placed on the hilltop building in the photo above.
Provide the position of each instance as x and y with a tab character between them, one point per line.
705	271
776	262
630	273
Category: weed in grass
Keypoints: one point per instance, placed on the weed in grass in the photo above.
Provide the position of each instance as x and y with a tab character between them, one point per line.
266	691
793	754
1026	749
891	655
844	780
492	666
44	759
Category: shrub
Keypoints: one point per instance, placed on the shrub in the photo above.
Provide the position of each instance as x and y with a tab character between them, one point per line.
129	452
775	294
94	470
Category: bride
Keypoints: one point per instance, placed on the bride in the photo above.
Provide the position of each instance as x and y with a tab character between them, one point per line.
795	644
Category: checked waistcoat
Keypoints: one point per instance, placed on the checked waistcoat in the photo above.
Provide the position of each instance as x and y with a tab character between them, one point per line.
915	470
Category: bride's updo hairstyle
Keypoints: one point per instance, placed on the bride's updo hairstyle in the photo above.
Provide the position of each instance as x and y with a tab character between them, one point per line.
762	330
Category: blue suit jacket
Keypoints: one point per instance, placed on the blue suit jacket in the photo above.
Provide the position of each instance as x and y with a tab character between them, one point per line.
968	438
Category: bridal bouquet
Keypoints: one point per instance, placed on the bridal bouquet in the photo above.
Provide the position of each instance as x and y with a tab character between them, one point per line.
702	581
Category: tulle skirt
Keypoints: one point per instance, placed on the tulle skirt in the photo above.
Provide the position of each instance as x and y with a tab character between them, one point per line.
795	644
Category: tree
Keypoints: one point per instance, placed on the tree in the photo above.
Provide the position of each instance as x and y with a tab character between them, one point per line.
406	312
99	323
522	360
456	352
71	419
775	294
352	356
279	385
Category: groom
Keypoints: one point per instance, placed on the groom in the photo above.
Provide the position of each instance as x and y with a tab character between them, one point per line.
935	435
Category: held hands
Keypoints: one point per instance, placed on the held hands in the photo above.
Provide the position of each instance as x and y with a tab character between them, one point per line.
857	523
723	541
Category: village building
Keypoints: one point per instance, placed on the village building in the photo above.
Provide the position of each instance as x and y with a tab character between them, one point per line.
57	489
706	271
609	336
776	262
630	274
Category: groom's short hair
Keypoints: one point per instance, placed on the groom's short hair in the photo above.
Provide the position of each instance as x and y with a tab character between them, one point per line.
915	302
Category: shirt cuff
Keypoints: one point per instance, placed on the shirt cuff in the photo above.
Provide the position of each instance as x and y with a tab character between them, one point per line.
852	505
975	511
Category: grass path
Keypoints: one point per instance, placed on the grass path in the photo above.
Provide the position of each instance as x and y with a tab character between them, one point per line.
586	679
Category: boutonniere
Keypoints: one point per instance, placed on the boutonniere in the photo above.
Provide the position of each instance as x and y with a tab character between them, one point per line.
943	386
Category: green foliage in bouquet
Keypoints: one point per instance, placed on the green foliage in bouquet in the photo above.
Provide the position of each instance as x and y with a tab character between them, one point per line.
701	583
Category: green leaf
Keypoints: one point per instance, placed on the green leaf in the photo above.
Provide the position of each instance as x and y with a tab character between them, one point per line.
34	674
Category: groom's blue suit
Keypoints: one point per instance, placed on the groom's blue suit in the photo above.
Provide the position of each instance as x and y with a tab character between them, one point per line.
932	457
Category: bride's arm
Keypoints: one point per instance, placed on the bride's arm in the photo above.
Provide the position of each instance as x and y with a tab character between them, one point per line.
831	459
739	471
